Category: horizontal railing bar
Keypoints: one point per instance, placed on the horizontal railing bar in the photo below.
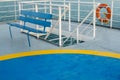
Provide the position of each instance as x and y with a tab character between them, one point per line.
75	2
117	7
116	14
47	4
35	1
115	20
7	0
10	16
6	11
9	6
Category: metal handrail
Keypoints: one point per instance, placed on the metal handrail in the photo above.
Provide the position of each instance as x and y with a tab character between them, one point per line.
79	25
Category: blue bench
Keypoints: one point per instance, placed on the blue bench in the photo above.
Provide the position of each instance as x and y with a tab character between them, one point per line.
36	18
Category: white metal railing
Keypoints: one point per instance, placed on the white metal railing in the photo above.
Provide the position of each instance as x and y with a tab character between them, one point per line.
113	7
62	7
114	20
76	30
8	12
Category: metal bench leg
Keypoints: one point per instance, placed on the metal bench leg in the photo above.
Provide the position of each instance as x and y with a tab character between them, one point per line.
10	32
28	39
45	26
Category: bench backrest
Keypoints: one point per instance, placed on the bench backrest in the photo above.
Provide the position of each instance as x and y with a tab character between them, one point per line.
36	18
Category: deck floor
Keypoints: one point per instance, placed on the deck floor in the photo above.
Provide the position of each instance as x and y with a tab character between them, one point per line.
106	40
59	66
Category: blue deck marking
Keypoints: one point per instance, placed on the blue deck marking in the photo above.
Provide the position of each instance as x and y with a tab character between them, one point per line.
60	67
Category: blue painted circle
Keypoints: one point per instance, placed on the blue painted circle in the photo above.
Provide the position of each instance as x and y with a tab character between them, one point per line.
60	67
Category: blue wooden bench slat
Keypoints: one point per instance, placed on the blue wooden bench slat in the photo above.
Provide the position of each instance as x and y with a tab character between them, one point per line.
36	14
25	28
35	21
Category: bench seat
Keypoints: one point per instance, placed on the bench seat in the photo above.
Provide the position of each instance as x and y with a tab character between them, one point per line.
26	28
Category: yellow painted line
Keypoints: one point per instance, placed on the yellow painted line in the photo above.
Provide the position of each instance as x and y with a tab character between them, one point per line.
43	52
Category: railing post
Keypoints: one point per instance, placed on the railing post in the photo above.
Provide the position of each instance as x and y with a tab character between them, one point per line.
94	18
20	8
51	11
15	6
37	26
77	35
20	5
64	9
36	8
78	10
60	28
111	21
69	16
50	6
45	6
